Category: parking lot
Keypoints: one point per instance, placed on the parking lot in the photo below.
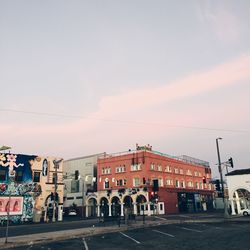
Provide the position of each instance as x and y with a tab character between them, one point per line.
231	235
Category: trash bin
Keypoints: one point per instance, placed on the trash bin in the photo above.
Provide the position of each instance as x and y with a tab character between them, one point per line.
37	216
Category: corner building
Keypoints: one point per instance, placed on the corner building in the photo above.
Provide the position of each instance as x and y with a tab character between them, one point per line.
148	182
27	185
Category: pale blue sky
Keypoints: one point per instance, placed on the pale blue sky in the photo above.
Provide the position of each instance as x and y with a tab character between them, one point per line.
161	63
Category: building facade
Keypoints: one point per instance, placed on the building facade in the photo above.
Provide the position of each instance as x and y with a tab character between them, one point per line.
238	183
80	176
31	188
148	182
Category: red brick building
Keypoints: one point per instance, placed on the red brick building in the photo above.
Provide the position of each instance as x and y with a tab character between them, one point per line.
146	181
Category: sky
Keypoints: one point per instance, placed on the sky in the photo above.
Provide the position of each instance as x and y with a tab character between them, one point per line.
83	77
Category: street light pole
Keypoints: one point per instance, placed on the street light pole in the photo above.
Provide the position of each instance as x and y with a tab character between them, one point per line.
221	179
219	166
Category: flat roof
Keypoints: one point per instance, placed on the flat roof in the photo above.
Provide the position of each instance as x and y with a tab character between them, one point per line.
239	172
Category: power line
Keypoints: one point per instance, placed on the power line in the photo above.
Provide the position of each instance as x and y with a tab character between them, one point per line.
122	121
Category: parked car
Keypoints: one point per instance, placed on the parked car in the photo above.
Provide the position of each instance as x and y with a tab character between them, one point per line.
245	211
72	213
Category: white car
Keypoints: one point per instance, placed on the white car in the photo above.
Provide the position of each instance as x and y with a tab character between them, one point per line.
72	212
245	211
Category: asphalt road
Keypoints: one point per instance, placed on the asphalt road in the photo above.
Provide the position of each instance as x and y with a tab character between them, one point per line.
188	236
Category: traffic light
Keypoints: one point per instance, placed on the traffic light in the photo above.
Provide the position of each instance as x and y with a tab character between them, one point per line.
204	179
152	194
217	185
230	161
76	174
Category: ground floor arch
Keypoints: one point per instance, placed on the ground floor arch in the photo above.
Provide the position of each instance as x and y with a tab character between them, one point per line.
91	207
239	200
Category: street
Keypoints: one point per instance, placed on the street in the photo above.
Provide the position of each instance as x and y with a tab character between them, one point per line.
211	233
182	236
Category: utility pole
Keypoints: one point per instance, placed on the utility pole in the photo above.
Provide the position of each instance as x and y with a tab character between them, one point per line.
221	179
56	166
219	166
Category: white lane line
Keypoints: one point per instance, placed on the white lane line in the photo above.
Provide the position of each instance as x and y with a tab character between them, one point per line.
160	218
189	229
170	235
208	226
185	216
85	244
138	242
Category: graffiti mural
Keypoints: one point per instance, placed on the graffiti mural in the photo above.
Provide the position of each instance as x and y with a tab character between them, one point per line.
17	190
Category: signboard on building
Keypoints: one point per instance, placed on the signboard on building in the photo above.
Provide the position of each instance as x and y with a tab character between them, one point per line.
14	204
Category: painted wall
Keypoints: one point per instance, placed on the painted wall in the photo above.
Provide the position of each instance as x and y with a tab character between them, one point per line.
29	192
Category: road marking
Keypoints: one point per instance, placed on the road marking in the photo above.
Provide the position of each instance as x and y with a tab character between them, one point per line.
85	244
138	242
208	226
170	235
160	218
185	216
189	229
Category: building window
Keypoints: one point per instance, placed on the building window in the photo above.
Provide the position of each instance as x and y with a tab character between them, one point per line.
106	170
136	181
176	171
19	176
136	167
177	184
190	184
183	184
160	181
120	182
181	171
106	184
189	172
196	185
120	169
75	186
169	182
2	175
201	185
36	177
159	168
168	169
152	166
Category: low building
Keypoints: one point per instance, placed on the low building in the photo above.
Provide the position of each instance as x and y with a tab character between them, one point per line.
149	182
31	187
80	179
238	183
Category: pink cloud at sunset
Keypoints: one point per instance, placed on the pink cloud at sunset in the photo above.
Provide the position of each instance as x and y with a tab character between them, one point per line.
134	100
